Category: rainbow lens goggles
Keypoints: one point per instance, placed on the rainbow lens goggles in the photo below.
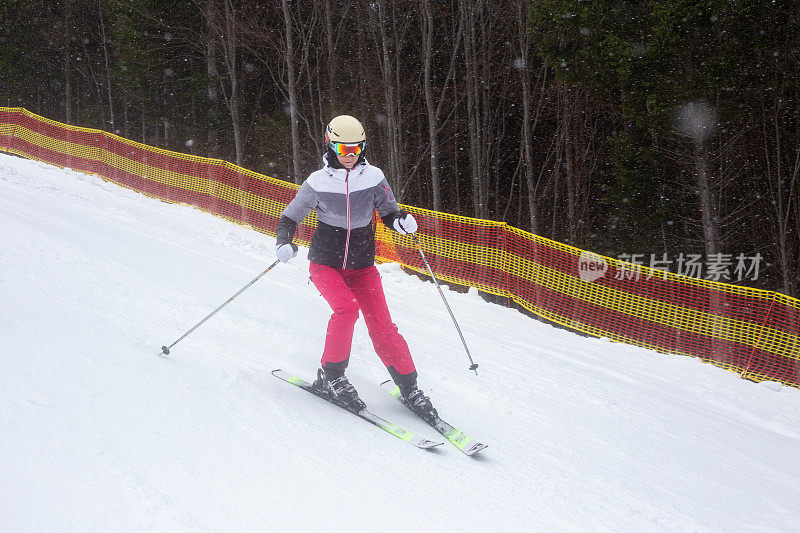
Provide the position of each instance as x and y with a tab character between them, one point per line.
345	149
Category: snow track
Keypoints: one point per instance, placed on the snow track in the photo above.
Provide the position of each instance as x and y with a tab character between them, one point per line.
99	433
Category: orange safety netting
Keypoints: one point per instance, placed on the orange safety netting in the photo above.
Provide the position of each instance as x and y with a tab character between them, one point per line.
749	331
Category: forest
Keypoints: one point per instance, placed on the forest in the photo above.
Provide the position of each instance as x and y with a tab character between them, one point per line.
665	133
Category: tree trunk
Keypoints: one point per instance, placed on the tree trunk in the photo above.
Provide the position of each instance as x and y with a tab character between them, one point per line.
526	134
333	105
231	60
569	165
67	61
125	119
427	44
782	182
210	53
390	103
399	76
104	40
457	158
223	27
697	120
708	209
472	81
287	18
142	105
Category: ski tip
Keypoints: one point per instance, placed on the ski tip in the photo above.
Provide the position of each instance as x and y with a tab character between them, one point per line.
390	387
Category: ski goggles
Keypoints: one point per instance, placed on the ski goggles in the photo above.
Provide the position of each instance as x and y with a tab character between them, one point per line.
345	149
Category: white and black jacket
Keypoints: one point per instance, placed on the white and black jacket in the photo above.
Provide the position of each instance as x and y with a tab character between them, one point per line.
344	200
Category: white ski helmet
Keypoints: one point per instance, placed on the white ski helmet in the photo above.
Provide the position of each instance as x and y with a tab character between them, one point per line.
345	129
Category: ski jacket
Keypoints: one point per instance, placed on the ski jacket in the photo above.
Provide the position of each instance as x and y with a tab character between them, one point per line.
345	201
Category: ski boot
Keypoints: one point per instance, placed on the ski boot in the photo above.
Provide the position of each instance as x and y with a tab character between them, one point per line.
416	400
341	389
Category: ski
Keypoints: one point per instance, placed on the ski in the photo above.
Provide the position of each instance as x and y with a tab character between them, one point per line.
463	442
372	418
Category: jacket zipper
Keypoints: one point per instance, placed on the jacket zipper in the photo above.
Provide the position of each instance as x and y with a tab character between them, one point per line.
347	202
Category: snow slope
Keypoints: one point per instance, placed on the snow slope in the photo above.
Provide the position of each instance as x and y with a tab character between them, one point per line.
99	433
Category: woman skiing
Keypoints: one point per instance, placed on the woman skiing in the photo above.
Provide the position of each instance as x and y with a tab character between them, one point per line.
345	192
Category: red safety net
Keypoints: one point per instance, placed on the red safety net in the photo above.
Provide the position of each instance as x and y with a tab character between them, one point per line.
745	330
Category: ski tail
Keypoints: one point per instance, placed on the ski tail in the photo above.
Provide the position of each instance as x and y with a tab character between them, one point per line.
458	438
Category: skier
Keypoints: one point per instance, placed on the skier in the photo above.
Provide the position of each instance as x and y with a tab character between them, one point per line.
345	192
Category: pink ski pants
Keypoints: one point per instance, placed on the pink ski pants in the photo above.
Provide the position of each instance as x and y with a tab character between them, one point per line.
347	291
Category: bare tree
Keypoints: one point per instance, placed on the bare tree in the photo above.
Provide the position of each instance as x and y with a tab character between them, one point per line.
291	89
581	120
107	62
223	24
386	61
467	13
427	46
433	108
781	172
212	72
67	60
528	122
330	43
696	120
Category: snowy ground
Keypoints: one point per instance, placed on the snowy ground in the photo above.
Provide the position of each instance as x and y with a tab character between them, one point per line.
99	433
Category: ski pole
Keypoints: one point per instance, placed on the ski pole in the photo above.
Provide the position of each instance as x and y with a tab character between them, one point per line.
473	366
165	349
